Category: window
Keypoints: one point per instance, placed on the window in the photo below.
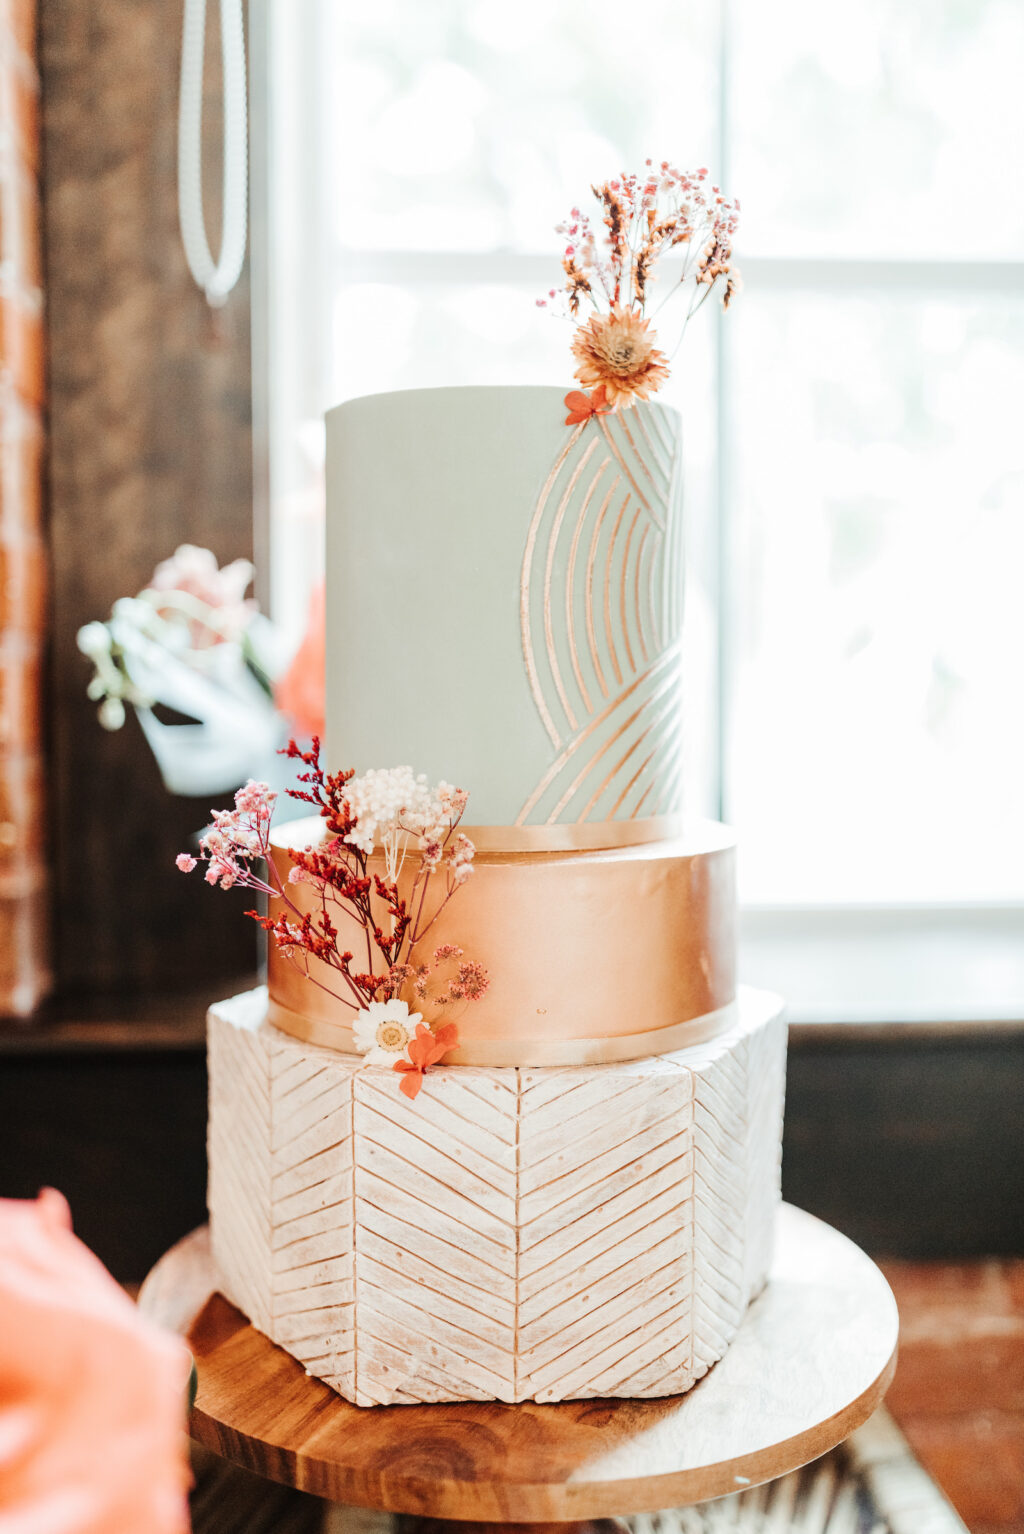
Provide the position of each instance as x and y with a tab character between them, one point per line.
855	479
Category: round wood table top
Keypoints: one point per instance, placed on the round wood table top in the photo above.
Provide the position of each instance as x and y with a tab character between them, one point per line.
811	1362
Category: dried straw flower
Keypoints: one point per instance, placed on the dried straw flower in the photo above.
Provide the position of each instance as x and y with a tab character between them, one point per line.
617	351
610	263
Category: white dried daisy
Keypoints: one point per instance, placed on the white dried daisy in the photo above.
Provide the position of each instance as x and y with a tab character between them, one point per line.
384	1030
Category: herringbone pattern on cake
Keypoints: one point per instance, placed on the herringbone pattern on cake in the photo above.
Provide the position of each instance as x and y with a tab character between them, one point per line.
311	1212
436	1238
603	1264
766	1091
517	1234
239	1158
718	1297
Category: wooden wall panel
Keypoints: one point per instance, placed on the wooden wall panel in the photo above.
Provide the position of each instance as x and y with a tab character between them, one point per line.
150	446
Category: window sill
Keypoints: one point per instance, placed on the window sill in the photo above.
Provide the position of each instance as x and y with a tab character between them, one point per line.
890	970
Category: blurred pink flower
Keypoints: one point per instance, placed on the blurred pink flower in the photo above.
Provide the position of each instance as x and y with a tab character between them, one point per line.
92	1417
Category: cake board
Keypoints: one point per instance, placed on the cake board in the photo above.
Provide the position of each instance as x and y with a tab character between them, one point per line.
811	1362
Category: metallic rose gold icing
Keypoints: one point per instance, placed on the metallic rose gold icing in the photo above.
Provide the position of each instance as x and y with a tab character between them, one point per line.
570	836
592	955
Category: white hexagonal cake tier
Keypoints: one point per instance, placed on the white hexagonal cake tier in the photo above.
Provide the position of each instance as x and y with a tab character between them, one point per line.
514	1233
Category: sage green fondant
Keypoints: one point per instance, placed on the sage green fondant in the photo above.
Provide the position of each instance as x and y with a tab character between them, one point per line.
550	707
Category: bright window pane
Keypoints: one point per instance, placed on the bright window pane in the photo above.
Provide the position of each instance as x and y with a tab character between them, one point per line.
878	129
876	724
471	125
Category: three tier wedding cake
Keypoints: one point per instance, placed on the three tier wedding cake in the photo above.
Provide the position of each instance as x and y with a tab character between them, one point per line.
501	1125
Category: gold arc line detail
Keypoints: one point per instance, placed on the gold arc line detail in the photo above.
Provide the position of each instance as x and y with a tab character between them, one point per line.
641	769
570	617
640	801
589	588
568	751
613	772
636	594
668	790
652	697
524	589
657	619
549	634
625	469
613	653
641	460
670	741
668	446
656	451
623	612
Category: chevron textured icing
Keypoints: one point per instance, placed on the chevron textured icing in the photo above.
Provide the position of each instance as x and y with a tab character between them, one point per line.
517	1234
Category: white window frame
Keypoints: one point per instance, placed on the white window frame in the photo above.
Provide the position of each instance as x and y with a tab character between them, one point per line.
942	963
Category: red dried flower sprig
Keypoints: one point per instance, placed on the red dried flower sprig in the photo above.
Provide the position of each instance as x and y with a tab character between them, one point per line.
338	872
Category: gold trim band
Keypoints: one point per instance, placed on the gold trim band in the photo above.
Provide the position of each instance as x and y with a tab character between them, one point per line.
581	836
526	1052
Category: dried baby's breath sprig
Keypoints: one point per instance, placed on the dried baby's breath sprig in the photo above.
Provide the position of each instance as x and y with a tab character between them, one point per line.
611	264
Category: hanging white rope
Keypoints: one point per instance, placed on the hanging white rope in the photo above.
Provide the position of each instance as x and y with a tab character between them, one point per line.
216	278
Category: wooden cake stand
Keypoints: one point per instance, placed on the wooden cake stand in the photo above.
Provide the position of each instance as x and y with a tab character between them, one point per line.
812	1360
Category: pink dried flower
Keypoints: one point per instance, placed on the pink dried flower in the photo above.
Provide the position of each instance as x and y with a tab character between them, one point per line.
185	862
641	218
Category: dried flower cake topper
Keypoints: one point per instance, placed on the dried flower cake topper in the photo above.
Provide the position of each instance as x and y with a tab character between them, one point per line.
611	268
393	812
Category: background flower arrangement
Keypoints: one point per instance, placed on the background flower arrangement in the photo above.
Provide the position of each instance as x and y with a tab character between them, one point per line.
612	266
395	814
191	642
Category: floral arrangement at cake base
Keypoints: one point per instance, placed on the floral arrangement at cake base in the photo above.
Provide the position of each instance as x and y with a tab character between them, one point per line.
412	828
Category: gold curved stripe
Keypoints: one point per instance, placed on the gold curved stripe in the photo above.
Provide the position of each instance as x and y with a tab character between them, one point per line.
665	468
614	771
641	460
666	442
625	469
549	634
569	751
613	653
669	784
669	742
657	617
636	595
643	798
588	593
623	610
583	774
570	581
524	588
640	770
670	739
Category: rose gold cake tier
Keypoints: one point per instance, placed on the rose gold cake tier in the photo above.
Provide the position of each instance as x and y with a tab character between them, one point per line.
592	956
